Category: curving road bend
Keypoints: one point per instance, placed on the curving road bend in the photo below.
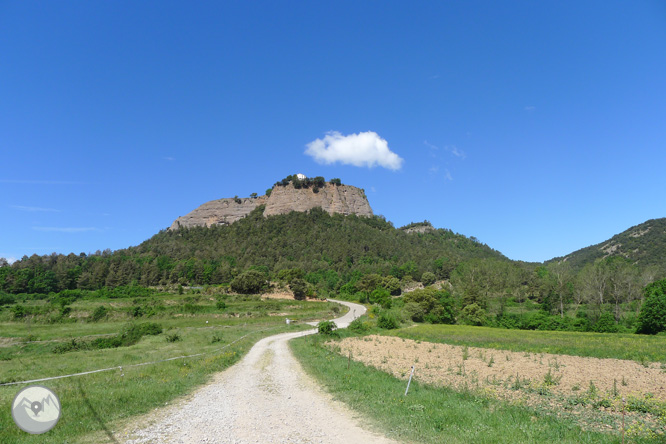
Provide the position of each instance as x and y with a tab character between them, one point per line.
265	398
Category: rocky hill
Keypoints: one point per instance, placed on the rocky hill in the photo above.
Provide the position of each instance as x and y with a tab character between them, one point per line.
334	199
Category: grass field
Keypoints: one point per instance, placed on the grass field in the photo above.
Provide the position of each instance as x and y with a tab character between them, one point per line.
95	406
640	348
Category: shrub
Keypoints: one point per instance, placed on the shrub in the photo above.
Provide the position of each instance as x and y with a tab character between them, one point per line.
652	318
327	328
392	284
441	314
249	282
358	326
6	299
605	324
150	328
137	311
382	297
173	337
19	311
388	321
472	314
130	336
299	287
435	306
428	278
217	337
220	305
99	313
414	311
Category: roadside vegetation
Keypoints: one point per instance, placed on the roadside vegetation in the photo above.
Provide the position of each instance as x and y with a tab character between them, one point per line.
148	326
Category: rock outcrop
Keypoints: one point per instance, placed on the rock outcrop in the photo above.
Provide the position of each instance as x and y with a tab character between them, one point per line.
420	227
342	199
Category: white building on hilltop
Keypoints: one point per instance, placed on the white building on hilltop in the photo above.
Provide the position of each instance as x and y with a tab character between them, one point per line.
301	176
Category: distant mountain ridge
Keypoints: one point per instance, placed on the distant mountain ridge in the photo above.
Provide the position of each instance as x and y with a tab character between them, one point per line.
643	244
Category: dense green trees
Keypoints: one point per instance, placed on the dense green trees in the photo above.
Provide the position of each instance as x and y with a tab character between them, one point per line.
249	282
430	305
652	318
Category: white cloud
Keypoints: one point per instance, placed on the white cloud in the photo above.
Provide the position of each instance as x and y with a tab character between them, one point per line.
450	148
362	150
66	229
455	151
169	158
447	175
530	108
35	209
430	145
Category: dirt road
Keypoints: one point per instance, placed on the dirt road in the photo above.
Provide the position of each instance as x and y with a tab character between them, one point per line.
265	398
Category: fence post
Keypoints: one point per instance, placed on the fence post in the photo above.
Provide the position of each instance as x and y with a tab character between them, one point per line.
410	380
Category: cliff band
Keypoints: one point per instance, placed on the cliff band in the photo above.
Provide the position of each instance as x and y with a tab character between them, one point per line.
342	199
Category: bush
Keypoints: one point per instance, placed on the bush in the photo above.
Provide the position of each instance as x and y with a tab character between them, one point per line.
130	336
249	282
392	284
300	288
473	315
652	318
605	324
358	326
173	337
327	328
428	278
19	311
382	297
434	306
150	328
137	311
388	321
99	313
6	299
220	305
414	311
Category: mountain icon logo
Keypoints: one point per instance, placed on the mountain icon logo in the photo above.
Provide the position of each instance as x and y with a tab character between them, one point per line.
36	409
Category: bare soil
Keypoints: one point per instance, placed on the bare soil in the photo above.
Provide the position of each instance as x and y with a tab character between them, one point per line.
560	383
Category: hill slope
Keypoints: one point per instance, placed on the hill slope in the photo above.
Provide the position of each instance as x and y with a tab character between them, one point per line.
314	240
643	244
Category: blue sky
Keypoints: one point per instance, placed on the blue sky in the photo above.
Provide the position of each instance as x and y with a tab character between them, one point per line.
537	127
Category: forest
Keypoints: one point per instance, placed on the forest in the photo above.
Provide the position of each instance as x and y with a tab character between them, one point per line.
317	254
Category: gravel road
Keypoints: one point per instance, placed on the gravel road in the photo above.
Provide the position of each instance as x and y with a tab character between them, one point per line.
265	398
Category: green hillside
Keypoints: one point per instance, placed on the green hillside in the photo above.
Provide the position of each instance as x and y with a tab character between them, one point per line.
643	244
340	247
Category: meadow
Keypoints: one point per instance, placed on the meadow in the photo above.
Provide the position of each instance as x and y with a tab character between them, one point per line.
59	340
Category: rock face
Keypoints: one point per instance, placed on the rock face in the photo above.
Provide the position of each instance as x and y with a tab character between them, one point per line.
343	199
422	227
